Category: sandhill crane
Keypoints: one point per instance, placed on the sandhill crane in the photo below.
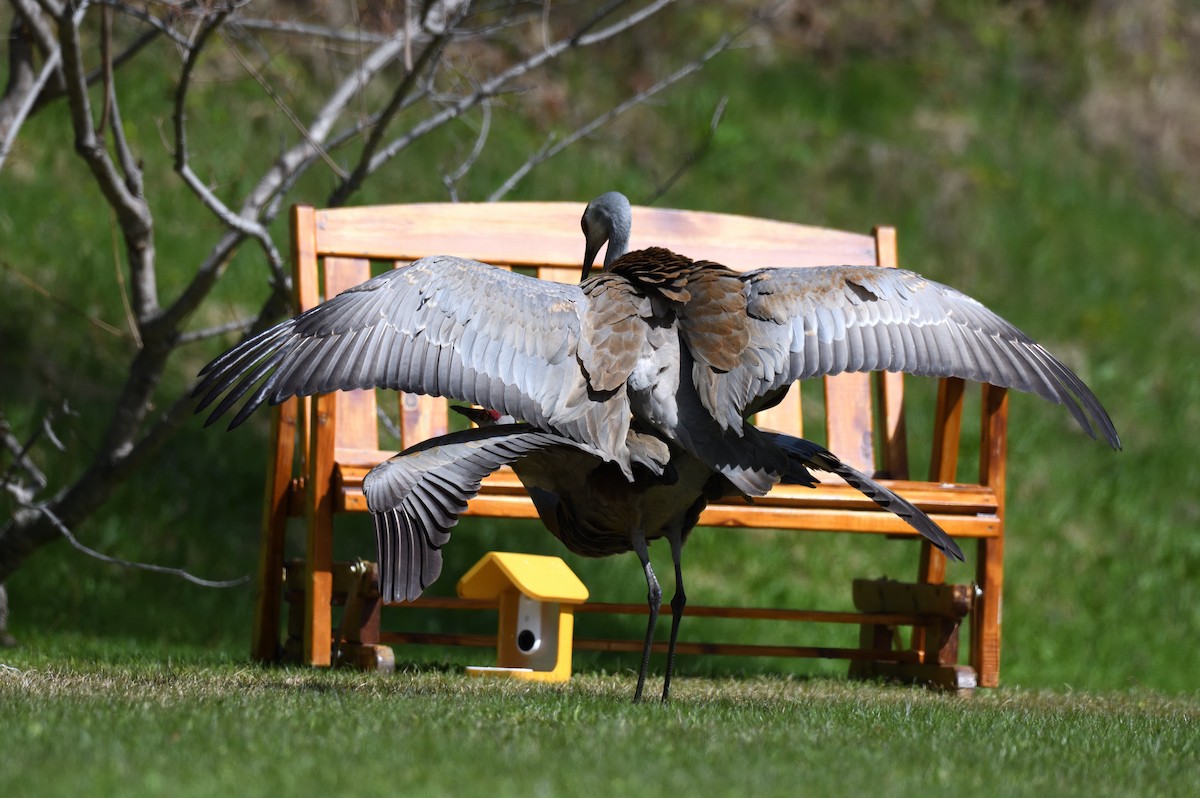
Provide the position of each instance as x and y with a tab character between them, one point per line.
416	497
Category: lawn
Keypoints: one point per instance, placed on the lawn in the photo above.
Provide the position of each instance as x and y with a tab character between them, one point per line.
106	720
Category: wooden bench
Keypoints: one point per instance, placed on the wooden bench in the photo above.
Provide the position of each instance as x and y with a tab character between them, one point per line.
322	448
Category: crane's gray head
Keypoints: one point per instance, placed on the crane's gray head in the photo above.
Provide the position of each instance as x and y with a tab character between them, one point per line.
607	218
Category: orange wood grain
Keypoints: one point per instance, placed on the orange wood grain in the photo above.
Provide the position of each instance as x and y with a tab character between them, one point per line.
547	233
357	424
318	630
787	416
849	420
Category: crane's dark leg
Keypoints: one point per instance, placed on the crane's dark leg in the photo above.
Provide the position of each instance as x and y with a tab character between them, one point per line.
678	602
654	599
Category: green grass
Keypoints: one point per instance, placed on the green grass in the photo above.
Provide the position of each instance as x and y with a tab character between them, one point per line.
102	720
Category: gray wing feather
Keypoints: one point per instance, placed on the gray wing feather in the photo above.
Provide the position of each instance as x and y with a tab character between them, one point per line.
442	326
812	322
416	497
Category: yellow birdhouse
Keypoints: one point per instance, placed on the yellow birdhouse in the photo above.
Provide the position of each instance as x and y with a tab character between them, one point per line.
537	598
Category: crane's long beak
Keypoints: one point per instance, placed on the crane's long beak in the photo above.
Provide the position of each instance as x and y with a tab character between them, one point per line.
589	257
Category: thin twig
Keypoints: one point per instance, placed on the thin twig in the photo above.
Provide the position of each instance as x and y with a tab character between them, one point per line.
29	281
287	111
548	151
693	156
158	569
451	179
129	317
310	31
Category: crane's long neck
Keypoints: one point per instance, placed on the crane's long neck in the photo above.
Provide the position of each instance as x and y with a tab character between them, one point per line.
618	241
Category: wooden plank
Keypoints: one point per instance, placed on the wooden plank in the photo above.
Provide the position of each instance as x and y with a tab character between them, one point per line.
890	385
304	257
787	416
357	425
957	500
849	420
760	613
562	275
742	650
422	418
947	424
547	233
683	647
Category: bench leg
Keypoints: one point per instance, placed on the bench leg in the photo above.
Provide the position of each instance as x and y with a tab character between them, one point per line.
985	619
264	644
318	593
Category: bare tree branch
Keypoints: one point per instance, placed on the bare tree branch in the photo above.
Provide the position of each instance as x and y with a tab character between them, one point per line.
22	97
237	325
158	569
451	179
131	209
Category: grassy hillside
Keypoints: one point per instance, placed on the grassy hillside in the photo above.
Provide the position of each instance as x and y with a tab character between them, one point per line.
970	128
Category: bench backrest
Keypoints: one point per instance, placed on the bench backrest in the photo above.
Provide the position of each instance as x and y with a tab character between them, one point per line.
335	249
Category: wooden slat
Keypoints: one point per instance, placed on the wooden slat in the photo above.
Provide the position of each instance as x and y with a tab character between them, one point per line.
787	416
422	418
743	650
547	233
758	613
947	424
989	568
683	647
357	425
849	420
304	257
890	385
970	500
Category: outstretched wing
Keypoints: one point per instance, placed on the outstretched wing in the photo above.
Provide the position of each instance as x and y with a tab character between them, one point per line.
814	456
810	322
442	326
415	498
